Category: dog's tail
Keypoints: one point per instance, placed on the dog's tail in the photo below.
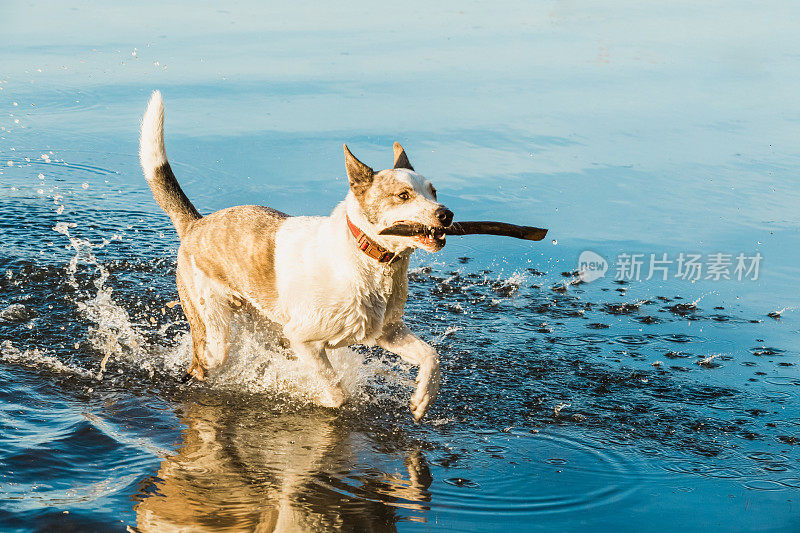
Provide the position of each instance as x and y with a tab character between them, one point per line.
153	157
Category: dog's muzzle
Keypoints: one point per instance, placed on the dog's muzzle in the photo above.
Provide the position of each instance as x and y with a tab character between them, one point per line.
428	236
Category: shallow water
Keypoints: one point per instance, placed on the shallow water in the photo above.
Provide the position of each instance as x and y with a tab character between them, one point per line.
619	405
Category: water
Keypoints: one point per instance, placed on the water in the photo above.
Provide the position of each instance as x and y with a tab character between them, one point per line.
650	405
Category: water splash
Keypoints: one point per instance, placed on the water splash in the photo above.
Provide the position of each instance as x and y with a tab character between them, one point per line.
36	358
697	301
257	363
112	333
708	361
777	314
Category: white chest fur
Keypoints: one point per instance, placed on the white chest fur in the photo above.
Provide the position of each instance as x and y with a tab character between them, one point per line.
372	305
328	290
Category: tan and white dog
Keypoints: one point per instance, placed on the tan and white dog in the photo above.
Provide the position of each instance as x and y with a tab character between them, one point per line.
329	282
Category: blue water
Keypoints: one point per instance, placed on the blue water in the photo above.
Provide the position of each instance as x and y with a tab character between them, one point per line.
614	405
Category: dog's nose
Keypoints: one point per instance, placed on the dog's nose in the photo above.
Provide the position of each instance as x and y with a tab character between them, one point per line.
444	215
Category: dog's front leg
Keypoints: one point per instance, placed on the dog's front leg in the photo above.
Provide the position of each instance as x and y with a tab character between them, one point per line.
312	354
398	339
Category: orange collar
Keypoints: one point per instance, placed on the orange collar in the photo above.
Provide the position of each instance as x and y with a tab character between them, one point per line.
368	246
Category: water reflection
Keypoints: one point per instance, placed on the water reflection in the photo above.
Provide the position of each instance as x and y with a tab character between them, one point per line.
244	468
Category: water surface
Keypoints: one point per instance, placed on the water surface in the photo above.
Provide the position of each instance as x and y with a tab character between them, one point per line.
618	405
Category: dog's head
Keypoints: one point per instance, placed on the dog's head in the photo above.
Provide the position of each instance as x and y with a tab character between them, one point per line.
398	195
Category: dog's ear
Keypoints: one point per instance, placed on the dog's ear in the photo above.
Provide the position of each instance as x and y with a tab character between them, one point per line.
359	174
400	158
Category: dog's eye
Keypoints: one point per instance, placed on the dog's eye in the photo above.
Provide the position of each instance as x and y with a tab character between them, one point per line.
404	196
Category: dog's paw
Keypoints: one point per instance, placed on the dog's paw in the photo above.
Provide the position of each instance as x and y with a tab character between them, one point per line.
419	405
332	397
427	390
419	410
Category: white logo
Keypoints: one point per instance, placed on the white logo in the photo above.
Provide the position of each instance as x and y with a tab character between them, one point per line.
591	266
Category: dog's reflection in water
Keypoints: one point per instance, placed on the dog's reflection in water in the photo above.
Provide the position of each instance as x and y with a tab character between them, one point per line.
240	471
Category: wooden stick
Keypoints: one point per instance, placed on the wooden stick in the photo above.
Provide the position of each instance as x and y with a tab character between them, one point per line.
528	233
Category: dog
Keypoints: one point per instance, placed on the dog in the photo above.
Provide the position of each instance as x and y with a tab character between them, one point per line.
328	282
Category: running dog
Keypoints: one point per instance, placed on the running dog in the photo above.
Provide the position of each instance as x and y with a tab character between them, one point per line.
329	282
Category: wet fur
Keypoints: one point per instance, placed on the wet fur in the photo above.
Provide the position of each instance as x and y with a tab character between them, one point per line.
305	274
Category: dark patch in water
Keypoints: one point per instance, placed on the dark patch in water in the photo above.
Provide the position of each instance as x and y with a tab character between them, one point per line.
676	355
682	309
621	309
765	351
461	482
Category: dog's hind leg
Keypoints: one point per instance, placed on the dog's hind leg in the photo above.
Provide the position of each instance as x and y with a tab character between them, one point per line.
215	312
209	316
197	329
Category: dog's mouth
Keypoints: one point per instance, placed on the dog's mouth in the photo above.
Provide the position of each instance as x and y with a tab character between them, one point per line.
427	236
434	239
